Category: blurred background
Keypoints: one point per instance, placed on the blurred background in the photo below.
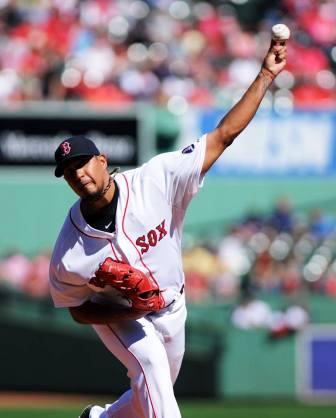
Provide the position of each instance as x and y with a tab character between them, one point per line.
149	76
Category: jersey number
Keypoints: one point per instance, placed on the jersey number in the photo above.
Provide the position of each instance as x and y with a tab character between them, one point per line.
152	237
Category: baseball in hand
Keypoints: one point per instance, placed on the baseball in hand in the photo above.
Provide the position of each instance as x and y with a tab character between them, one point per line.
280	32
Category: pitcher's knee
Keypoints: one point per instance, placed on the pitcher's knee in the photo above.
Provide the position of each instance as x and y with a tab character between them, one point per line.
150	366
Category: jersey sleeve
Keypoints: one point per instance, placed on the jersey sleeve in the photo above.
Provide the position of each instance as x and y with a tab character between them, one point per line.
67	292
178	173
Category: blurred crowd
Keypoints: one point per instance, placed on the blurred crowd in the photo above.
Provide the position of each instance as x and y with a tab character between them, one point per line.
29	275
284	252
169	52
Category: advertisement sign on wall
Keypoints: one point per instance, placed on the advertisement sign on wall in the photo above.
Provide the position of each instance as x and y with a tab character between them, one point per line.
300	144
33	139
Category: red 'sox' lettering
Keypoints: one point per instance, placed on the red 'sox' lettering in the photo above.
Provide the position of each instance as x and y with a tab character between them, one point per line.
151	238
161	229
141	242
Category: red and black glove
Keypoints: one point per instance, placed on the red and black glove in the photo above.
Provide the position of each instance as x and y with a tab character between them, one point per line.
142	291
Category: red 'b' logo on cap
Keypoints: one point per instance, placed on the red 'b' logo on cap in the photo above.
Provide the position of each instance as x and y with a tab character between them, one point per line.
66	147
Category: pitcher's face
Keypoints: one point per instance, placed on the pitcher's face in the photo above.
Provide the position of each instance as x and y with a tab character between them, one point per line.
87	176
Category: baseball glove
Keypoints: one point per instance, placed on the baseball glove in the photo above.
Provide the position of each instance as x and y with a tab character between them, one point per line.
143	293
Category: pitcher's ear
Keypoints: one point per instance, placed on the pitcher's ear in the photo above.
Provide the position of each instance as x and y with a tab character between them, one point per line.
103	159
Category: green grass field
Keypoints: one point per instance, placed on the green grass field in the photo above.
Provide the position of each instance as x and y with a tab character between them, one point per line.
196	410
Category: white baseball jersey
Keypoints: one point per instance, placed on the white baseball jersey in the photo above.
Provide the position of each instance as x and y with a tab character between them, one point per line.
149	219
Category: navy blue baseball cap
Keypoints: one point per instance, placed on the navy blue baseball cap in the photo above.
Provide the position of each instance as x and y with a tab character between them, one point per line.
75	146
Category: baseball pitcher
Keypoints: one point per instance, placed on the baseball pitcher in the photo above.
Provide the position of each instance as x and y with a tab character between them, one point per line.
117	261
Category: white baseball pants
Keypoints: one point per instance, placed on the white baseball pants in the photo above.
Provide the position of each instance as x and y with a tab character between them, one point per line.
151	349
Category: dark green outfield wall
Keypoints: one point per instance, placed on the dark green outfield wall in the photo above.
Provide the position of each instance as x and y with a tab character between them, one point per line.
255	366
34	204
42	349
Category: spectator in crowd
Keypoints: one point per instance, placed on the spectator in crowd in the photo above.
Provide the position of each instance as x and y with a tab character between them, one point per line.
14	269
281	218
320	225
201	266
27	275
253	313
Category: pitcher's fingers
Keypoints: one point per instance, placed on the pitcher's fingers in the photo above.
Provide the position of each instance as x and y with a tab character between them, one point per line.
281	56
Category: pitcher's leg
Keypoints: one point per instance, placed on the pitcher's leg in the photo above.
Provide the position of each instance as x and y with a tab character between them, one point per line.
137	346
171	331
175	351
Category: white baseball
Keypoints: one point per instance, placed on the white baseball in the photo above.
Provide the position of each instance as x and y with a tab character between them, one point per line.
280	32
